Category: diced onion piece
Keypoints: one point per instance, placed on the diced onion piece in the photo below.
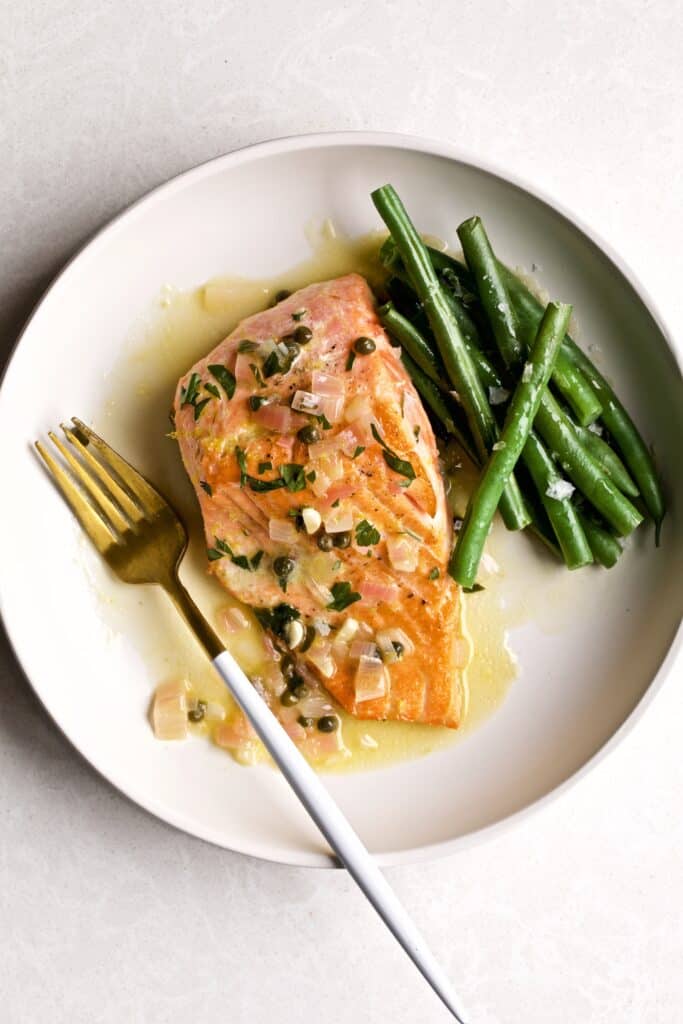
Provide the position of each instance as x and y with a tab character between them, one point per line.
403	552
294	634
234	733
396	635
169	711
345	441
327	471
319	654
326	385
370	681
233	619
315	705
340	650
322	626
312	520
363	649
332	408
283	531
339	520
348	630
279	418
386	648
374	591
214	711
307	401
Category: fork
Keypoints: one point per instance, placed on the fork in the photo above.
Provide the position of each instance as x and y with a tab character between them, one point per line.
143	540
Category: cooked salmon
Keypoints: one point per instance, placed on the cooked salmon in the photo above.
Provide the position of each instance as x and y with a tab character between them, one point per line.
317	474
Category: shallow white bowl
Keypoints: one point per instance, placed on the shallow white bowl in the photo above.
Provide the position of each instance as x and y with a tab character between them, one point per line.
245	213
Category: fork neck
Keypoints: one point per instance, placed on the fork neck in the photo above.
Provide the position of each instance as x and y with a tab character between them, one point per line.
203	632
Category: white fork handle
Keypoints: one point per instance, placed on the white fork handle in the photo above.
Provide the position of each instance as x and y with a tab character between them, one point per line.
336	829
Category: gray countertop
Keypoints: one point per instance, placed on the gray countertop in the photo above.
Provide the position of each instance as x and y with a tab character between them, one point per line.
107	915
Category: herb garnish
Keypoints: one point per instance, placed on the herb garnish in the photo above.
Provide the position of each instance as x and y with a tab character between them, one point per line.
350	359
335	504
311	476
434	573
206	487
277	618
189	395
359	451
366	534
261	486
324	422
393	460
264	466
271	364
474	589
199	407
343	596
241	457
225	378
293	476
256	559
223	548
299	314
258	376
247	346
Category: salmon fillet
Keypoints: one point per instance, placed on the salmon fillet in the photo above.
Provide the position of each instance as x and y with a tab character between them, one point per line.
373	472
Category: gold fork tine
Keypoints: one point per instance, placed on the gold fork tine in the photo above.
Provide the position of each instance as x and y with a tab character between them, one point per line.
132	510
150	499
95	527
103	503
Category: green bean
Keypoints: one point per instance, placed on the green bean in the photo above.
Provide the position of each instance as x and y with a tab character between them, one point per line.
608	459
615	417
437	402
569	379
487	373
522	410
493	295
559	433
561	513
604	545
450	342
411	341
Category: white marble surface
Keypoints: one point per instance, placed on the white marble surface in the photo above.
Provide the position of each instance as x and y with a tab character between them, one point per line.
106	915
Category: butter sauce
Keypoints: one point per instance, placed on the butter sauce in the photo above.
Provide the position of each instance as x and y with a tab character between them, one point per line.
181	327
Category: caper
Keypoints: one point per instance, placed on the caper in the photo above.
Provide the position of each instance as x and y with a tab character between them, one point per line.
196	714
288	698
325	542
256	401
303	334
364	346
283	566
282	295
328	723
295	681
342	540
288	666
305	721
300	689
309	434
309	637
399	649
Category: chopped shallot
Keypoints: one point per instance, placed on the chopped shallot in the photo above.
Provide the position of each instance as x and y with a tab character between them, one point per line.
396	635
370	680
345	441
320	655
348	630
363	649
403	552
374	591
169	711
306	401
338	520
279	418
332	408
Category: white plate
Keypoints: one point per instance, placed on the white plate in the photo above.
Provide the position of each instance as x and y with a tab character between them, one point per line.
245	213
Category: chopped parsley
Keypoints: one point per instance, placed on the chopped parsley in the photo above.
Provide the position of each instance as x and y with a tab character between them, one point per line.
335	504
206	487
359	451
299	314
336	565
366	534
222	549
434	573
293	476
474	589
350	359
271	364
189	395
394	461
342	596
213	390
311	476
262	486
275	619
247	346
225	378
256	559
241	457
324	422
199	407
263	467
416	431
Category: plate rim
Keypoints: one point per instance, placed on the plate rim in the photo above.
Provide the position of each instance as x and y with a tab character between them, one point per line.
458	154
